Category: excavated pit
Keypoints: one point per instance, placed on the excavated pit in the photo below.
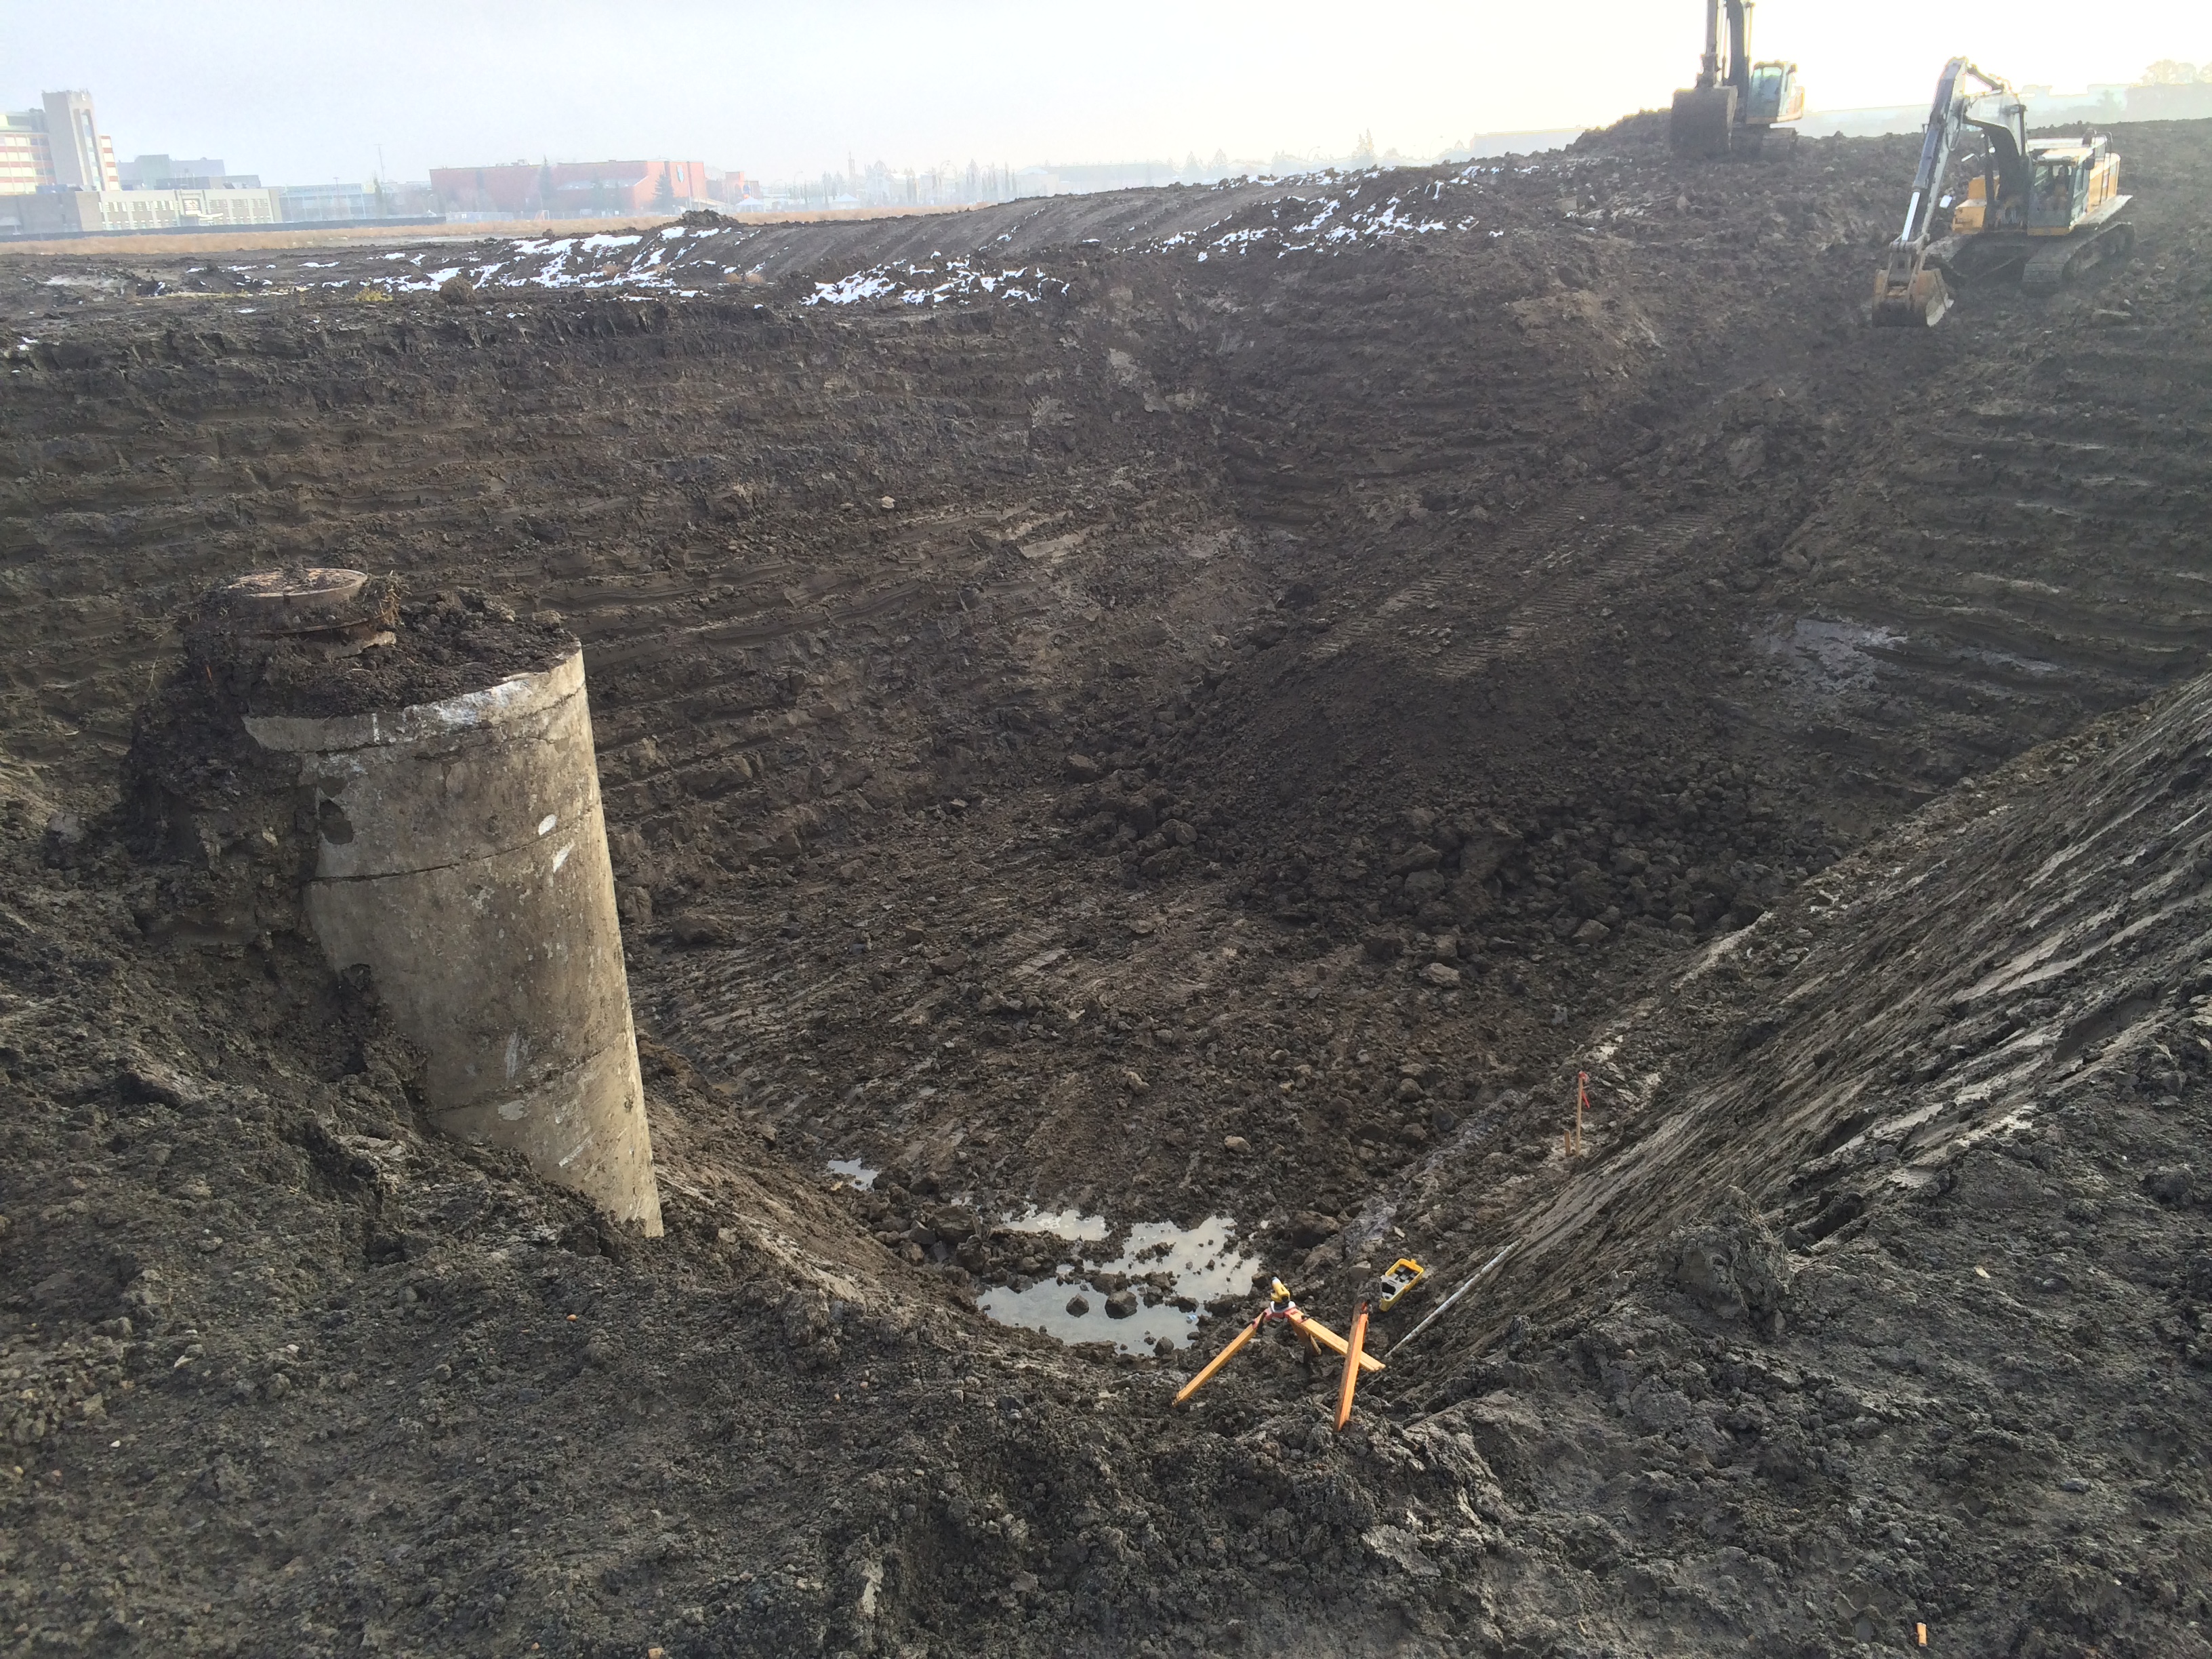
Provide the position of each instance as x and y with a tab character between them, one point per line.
1184	707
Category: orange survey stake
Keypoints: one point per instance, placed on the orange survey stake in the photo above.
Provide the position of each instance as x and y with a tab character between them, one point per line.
1354	1352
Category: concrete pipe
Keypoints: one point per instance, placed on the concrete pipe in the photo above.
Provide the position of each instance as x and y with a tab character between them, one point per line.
462	857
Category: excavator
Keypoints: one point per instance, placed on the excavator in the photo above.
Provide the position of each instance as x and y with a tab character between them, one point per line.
1736	103
2045	209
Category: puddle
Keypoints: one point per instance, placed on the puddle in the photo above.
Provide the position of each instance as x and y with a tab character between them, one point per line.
1061	1224
1832	657
1203	1262
851	1171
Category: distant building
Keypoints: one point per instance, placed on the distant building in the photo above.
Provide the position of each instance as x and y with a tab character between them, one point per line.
70	212
185	173
570	190
309	201
58	146
730	188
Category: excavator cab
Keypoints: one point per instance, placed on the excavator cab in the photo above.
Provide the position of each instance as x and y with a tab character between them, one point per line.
2068	182
1777	94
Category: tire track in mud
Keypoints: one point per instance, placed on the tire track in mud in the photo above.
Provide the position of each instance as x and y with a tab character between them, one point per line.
2033	531
1576	557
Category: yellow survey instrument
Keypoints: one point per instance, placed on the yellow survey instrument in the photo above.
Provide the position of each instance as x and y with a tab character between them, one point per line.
1281	1307
1404	1274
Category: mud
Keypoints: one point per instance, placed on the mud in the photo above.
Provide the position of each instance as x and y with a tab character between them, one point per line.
444	646
1087	726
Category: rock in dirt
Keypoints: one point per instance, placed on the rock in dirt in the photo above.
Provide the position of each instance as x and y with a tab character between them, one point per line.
151	1083
1121	1304
64	839
2171	1188
1078	1305
1732	1263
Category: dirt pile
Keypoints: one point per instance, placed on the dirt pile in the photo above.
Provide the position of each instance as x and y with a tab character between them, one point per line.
1183	705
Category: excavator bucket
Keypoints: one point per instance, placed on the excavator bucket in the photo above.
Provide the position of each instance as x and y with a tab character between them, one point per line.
1919	302
1703	122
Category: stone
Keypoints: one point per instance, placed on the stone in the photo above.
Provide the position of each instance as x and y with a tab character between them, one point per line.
152	1082
1235	1144
1121	1304
1081	769
1734	1262
955	1226
1078	1306
1444	978
2168	1186
1591	932
64	839
1424	883
1418	857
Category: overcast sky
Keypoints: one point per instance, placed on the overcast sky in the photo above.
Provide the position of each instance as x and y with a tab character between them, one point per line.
301	90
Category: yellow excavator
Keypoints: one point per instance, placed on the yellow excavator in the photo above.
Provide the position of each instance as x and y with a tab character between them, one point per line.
1735	103
2043	211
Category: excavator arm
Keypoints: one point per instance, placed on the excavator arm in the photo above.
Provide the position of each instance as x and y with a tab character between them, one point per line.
1910	289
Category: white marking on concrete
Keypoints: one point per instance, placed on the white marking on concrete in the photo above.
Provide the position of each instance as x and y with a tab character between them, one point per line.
545	824
562	857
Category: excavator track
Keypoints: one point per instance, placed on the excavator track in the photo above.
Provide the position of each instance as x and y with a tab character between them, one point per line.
2068	259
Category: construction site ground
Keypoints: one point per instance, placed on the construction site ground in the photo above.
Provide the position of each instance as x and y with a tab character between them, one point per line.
1199	709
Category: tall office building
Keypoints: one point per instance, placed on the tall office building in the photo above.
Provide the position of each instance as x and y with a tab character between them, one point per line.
59	146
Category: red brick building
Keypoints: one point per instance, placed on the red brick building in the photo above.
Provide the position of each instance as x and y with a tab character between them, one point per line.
571	190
